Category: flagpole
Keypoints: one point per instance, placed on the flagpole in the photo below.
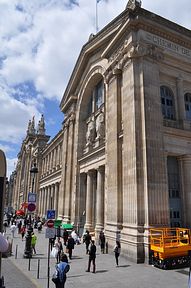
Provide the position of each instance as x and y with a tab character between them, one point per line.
96	18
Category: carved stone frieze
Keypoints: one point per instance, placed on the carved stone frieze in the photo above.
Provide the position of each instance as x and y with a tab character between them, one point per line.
70	119
119	52
141	50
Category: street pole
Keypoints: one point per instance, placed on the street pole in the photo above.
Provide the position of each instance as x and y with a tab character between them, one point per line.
3	168
28	247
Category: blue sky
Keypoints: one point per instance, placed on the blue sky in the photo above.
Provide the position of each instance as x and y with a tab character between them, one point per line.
39	44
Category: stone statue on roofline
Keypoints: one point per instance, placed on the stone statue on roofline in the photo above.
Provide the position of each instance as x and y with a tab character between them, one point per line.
132	4
41	126
31	127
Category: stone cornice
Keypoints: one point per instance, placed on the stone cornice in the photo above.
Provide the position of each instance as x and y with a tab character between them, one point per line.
126	53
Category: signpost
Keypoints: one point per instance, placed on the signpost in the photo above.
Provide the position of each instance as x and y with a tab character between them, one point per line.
31	207
51	214
50	223
31	197
3	168
49	233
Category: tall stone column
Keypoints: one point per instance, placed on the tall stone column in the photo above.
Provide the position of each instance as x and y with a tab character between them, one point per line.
100	200
42	202
52	196
69	171
39	202
45	200
114	162
56	198
185	165
63	177
89	197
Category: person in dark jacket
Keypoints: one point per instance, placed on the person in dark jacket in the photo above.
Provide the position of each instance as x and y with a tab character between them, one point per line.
92	257
102	241
70	246
65	236
87	240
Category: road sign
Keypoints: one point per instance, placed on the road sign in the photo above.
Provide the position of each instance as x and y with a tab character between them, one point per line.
31	207
49	233
50	223
51	214
31	197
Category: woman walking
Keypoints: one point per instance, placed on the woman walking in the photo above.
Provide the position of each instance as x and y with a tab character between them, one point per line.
117	250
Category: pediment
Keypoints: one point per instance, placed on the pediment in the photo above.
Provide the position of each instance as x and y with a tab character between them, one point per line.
91	52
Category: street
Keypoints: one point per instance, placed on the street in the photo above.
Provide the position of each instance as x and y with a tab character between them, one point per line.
128	275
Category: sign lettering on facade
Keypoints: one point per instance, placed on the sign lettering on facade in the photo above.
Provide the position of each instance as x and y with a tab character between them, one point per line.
162	42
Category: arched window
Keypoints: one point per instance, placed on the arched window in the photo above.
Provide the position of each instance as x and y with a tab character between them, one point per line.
167	103
187	101
96	99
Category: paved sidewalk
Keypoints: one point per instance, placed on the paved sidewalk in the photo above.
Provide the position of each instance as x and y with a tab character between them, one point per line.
127	275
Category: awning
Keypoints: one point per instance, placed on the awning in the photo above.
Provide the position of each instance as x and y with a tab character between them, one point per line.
20	212
67	226
57	223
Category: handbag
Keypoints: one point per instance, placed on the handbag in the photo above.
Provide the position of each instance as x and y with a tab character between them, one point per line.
55	277
54	252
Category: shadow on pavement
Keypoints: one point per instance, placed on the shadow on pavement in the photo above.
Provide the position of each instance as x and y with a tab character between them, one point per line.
101	271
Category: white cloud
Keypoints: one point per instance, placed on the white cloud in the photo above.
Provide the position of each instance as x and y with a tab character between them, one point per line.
40	42
11	165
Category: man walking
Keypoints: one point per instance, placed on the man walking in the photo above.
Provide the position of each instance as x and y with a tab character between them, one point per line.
92	256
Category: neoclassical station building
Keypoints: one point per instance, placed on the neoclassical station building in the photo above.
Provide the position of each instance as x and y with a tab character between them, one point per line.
122	160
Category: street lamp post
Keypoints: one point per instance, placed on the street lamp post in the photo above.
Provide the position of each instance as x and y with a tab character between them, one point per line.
28	248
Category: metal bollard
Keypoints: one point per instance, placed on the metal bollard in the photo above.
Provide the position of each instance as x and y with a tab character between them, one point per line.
29	266
11	247
38	269
106	247
16	251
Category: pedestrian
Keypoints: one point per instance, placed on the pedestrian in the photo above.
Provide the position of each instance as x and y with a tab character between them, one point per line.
52	242
23	231
87	240
13	228
39	226
65	236
59	248
5	225
70	246
92	257
102	241
59	276
117	250
19	225
33	242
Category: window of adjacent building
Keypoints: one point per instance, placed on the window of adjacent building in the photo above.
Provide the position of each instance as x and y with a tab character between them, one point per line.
167	103
187	101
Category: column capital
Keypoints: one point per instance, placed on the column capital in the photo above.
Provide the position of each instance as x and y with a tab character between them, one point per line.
185	158
101	169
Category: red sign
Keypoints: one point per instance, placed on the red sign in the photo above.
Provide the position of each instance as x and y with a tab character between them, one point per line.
50	223
31	207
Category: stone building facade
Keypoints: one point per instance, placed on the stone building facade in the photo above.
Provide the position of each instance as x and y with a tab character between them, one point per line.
124	161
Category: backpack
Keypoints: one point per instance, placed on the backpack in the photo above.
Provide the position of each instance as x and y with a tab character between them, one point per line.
62	268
